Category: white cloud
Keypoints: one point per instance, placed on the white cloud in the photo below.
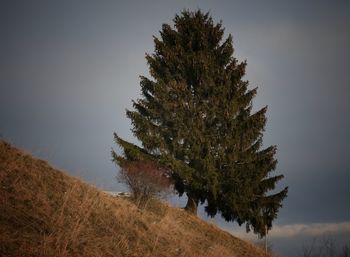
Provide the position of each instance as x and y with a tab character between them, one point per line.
312	229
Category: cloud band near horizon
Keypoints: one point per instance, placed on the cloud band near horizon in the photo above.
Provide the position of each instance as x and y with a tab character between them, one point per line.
292	230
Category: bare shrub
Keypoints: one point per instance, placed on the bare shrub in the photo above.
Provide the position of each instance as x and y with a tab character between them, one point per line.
324	246
345	252
146	180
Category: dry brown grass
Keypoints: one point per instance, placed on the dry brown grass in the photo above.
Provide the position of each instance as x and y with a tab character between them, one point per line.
44	212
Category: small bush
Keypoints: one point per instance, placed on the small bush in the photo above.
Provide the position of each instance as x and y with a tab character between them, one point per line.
146	180
325	246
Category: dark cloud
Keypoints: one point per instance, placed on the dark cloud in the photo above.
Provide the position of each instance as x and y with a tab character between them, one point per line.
68	70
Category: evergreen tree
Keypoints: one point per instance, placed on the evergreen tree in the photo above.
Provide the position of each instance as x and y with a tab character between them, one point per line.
195	117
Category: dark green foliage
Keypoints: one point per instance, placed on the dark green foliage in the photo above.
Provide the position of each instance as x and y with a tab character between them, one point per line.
195	118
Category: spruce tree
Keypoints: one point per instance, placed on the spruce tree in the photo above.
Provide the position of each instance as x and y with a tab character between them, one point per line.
195	117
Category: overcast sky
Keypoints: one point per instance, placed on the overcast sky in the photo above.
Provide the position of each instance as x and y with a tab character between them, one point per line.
68	70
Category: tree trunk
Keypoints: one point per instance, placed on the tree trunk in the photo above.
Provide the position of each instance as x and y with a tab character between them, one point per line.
192	205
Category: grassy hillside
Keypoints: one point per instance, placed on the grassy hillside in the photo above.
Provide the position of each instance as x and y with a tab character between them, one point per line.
44	212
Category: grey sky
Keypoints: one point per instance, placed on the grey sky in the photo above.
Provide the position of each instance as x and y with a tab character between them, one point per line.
68	70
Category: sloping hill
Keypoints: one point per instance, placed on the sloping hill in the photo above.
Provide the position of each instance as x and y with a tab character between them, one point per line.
44	212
